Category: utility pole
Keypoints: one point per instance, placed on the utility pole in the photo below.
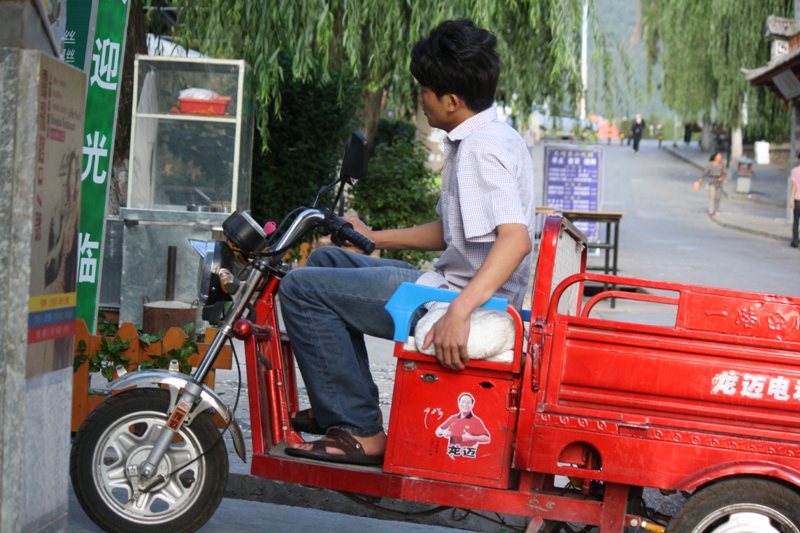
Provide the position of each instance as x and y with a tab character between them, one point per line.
794	137
584	56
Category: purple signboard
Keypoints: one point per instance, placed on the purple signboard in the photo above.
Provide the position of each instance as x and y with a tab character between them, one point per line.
573	181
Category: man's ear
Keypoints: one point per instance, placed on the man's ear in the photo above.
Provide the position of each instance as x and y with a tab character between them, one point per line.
454	103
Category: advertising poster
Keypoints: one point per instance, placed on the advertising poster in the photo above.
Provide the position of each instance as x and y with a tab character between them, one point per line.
56	210
56	11
102	97
573	181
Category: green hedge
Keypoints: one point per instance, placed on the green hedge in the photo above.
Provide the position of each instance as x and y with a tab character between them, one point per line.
305	143
400	190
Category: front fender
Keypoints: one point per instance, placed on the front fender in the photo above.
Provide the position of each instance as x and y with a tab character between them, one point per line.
176	382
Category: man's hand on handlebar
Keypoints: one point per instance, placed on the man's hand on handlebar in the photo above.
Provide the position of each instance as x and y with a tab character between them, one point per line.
360	227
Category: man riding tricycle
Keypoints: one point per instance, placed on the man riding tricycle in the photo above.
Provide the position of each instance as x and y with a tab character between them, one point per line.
551	414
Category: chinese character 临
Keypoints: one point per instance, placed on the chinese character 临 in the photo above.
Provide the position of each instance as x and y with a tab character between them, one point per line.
87	269
95	150
105	65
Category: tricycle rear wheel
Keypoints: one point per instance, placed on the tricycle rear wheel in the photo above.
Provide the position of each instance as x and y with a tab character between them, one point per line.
738	506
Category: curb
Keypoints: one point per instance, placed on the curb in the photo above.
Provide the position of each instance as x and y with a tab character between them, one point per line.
250	488
749	199
749	230
687	159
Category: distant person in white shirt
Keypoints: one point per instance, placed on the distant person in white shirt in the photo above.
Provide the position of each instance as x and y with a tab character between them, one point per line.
794	201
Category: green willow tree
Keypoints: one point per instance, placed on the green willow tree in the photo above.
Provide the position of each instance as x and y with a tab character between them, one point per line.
538	41
703	45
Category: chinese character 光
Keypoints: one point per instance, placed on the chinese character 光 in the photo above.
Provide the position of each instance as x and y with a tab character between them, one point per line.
95	150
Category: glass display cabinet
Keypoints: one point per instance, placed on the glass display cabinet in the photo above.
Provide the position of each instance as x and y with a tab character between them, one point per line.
190	164
191	135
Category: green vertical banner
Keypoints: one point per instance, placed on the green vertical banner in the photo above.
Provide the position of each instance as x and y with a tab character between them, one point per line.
78	32
102	97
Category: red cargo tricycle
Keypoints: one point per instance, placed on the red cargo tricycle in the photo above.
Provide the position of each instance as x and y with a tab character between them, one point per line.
587	412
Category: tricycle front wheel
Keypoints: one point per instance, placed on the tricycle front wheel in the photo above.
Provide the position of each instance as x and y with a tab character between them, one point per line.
740	506
117	437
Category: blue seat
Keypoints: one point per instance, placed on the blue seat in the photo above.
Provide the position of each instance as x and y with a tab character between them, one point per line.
410	296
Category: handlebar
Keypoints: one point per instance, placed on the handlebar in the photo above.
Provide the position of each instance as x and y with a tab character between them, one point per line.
358	240
339	229
342	231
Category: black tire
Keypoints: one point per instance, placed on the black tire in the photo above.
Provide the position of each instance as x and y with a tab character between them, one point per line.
751	505
120	432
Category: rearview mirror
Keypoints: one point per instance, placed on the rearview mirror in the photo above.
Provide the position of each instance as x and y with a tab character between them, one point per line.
354	163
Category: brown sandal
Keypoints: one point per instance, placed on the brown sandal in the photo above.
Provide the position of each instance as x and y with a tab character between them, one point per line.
340	440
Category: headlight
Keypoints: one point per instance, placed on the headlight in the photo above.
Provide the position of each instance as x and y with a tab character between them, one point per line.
216	256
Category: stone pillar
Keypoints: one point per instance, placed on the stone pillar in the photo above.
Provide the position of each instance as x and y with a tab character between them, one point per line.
15	232
42	102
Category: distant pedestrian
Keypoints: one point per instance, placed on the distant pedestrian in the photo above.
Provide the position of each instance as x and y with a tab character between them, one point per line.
687	134
794	202
715	171
636	132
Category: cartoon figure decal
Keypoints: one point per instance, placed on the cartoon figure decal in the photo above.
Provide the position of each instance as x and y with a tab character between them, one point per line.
464	430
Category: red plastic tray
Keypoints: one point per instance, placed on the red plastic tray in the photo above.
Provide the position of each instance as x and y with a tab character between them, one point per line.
196	106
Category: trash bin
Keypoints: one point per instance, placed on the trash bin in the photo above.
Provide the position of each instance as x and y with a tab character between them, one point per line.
744	173
762	152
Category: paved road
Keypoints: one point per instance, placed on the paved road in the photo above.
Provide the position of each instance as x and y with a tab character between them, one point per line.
668	235
665	235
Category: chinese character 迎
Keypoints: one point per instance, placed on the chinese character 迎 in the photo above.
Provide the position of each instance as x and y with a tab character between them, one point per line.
105	65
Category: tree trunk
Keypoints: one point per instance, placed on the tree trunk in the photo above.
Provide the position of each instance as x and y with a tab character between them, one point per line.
371	114
135	43
705	137
736	143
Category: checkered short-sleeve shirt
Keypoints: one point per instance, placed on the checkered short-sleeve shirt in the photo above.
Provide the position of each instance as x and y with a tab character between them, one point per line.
487	180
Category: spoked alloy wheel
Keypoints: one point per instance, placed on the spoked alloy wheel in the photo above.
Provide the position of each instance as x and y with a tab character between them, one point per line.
117	437
740	506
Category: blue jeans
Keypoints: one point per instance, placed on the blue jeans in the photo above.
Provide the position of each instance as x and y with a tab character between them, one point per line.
328	306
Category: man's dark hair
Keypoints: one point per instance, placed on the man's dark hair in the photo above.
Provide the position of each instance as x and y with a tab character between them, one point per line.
458	58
